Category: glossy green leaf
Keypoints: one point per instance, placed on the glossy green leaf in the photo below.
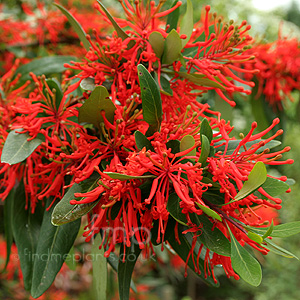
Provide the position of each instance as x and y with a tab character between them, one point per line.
198	79
45	65
186	143
26	227
8	223
125	269
120	176
183	250
244	263
88	84
275	187
64	212
55	85
205	149
255	237
142	141
173	46
76	26
90	111
279	250
256	178
99	269
166	86
206	130
210	236
187	22
157	43
151	100
174	209
17	147
173	17
54	244
209	212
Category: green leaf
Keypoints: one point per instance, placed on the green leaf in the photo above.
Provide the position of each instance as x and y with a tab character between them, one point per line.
209	212
275	187
212	238
17	147
269	231
244	263
165	85
173	46
70	261
88	84
174	209
125	269
54	244
8	223
157	43
90	111
206	130
198	79
64	212
76	26
142	141
99	269
120	176
205	149
187	23
186	143
256	178
26	227
173	17
54	84
174	145
151	100
45	65
255	237
183	250
279	250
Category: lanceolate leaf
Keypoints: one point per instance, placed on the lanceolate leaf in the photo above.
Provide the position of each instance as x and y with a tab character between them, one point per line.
157	43
255	237
45	65
26	227
17	147
256	178
174	209
99	269
125	269
142	141
173	17
173	46
206	130
279	250
76	26
64	212
120	176
275	187
205	149
187	22
244	264
54	244
188	142
90	111
8	223
151	100
209	212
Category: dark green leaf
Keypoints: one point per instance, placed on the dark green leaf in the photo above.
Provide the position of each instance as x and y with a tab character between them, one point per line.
8	223
54	244
173	46
151	100
26	227
45	65
157	43
186	143
244	263
275	187
76	26
279	250
256	178
90	111
88	84
174	145
120	176
205	149
54	84
174	209
142	141
165	85
99	269
173	17
17	147
209	212
187	23
206	130
64	212
125	269
211	238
